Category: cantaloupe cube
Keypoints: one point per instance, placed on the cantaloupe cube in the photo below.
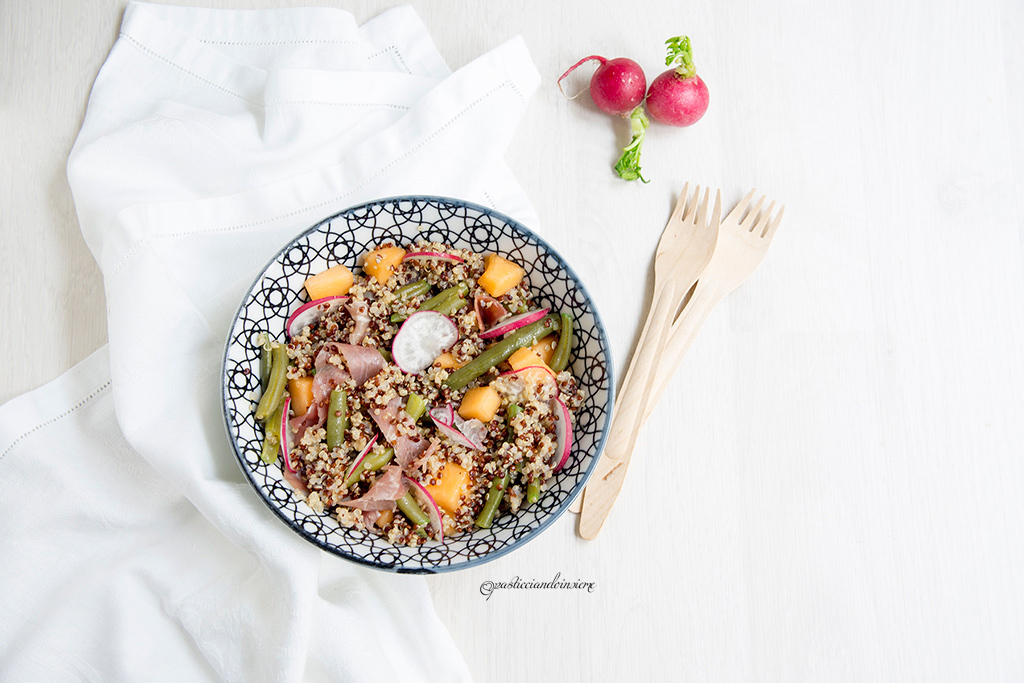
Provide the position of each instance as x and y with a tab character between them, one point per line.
500	275
447	361
481	403
381	263
385	518
545	348
450	487
334	281
525	357
301	391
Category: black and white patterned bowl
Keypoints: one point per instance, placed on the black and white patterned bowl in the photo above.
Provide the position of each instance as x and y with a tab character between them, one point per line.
344	238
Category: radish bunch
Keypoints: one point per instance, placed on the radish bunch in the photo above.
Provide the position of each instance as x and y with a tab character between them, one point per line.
677	97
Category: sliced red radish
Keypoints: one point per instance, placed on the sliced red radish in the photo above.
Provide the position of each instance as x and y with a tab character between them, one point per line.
563	433
307	314
514	323
286	435
420	493
359	458
455	428
432	256
421	339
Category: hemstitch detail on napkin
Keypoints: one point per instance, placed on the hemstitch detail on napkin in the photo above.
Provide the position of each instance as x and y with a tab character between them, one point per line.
270	43
145	50
383	169
96	392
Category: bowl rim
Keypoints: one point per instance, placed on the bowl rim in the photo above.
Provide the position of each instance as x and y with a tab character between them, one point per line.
545	522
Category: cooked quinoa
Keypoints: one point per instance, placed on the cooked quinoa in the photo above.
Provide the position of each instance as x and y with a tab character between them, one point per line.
524	447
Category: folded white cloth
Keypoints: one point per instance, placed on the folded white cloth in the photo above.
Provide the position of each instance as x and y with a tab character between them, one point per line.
210	139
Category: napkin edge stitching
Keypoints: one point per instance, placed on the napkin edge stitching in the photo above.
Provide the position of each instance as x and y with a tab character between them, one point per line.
81	404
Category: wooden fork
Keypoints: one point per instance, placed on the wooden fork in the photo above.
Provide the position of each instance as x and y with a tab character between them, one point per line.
743	241
684	251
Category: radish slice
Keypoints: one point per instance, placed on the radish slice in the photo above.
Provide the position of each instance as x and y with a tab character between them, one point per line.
286	435
307	314
432	256
563	433
421	494
468	433
514	323
421	339
359	459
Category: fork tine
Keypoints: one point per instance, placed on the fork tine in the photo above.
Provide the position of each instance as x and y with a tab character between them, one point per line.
692	204
677	212
751	216
770	230
716	215
762	222
737	211
698	216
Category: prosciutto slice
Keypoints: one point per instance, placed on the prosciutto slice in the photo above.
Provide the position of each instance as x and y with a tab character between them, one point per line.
360	312
383	494
407	448
363	363
488	310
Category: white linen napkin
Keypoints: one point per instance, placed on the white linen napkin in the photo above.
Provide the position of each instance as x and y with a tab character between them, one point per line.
210	139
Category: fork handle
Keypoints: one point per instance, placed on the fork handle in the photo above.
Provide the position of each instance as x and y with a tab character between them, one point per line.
684	330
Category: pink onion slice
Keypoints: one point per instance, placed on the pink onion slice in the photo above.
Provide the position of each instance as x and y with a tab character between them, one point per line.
452	425
307	314
422	338
514	323
432	256
359	459
286	435
421	494
563	433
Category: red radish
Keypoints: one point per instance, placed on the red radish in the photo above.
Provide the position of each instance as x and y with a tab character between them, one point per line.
308	314
421	339
359	458
426	500
286	435
563	433
530	371
678	97
462	432
618	87
514	323
432	256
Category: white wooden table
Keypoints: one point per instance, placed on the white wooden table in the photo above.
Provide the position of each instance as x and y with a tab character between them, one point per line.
832	490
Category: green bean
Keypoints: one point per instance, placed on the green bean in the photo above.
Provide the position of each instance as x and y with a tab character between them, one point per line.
272	437
510	413
386	354
337	418
274	394
411	509
412	290
524	336
494	496
416	407
532	493
373	461
560	359
443	301
264	341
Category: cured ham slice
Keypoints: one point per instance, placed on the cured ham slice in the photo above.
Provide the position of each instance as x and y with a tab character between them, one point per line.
360	312
488	310
408	447
383	494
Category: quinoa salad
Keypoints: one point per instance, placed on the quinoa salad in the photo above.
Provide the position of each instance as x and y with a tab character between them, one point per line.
422	396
